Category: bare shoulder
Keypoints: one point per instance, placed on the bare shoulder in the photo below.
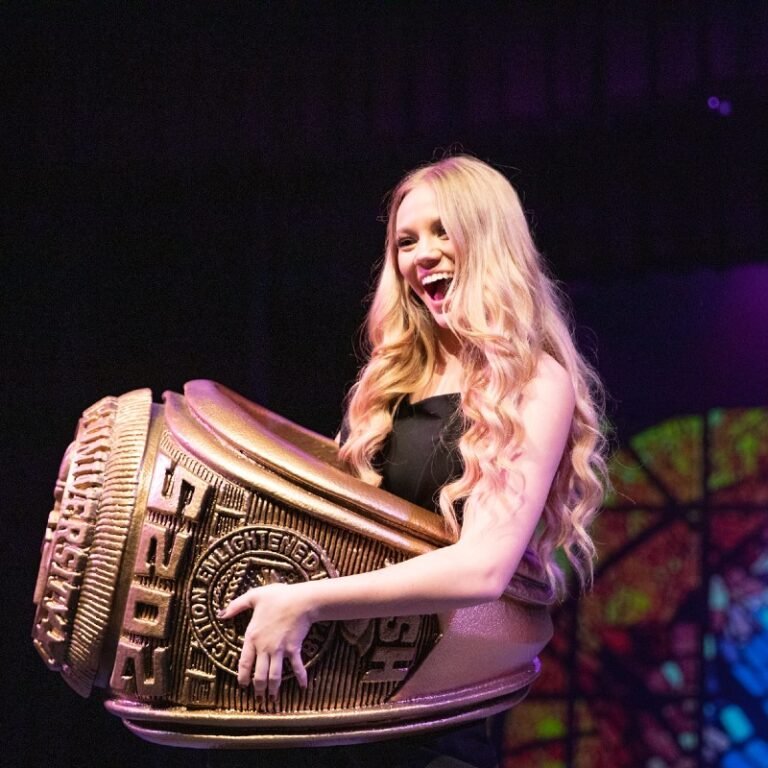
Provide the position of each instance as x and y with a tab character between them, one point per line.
547	409
551	385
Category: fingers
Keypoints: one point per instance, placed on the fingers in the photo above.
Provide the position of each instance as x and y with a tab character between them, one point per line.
272	627
299	670
238	605
275	675
260	674
268	674
245	665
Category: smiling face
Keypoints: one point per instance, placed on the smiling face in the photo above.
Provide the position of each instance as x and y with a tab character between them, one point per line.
425	254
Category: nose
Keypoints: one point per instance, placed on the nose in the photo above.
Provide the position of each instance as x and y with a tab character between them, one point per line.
428	252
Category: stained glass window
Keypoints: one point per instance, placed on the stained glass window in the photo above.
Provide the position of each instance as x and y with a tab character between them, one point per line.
665	663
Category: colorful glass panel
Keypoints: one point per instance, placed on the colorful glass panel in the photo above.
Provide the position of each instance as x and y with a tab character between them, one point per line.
665	663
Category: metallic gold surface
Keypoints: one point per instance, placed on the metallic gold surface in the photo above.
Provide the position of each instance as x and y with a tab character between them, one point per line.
162	515
94	500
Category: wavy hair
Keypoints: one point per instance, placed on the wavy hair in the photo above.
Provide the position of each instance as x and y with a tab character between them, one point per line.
506	311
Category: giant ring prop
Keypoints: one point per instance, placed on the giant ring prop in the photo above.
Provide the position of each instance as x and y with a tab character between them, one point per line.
164	513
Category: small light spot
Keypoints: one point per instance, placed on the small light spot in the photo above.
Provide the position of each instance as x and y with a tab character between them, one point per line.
688	740
550	728
672	674
719	599
736	723
713	102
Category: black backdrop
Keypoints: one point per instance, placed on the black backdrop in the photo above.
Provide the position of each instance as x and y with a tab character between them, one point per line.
195	192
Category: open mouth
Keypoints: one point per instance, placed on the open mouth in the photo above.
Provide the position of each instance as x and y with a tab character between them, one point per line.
437	284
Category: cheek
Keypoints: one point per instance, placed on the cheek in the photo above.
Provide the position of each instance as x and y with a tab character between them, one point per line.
402	266
402	285
405	268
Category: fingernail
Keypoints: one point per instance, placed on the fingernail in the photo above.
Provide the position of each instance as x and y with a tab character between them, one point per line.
220	614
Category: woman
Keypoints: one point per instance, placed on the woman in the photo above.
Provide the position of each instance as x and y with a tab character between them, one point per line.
466	326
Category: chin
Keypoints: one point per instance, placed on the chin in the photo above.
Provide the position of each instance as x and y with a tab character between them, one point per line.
439	318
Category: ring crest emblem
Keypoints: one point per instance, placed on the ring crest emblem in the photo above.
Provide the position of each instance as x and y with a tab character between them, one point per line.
253	556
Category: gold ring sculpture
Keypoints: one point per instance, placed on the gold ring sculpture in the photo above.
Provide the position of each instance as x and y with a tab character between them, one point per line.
164	513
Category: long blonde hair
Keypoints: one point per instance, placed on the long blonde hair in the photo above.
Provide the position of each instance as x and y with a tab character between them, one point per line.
506	312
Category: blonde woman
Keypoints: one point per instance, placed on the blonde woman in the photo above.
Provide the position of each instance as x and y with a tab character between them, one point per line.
474	402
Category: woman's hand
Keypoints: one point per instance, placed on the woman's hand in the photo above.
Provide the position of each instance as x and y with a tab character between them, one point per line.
276	630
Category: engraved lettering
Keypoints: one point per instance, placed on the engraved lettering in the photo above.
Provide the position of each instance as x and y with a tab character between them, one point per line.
68	543
74	531
138	671
50	647
175	489
69	559
231	659
50	638
147	611
154	556
399	629
390	664
58	575
56	618
251	556
394	649
300	550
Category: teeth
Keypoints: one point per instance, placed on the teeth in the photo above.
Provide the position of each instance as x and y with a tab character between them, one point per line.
435	276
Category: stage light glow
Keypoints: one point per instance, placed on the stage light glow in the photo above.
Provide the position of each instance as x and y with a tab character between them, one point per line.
736	723
723	106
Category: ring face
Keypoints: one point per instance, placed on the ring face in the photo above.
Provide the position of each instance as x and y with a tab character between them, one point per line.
253	556
205	538
164	514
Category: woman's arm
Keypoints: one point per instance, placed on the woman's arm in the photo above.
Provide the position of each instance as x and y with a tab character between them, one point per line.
475	569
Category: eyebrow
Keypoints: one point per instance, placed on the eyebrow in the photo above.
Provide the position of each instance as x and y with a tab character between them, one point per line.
406	230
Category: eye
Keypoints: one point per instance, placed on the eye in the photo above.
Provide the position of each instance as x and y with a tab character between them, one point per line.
440	230
404	241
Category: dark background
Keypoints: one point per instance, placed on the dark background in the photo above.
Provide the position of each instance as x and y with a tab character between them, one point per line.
195	191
